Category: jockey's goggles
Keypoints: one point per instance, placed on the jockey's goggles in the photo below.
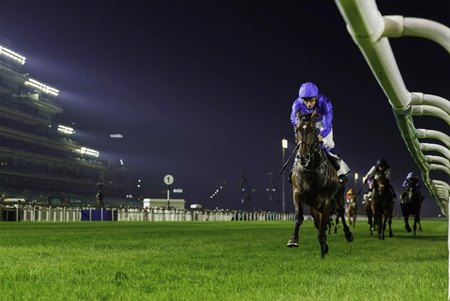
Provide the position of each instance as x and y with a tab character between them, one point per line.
309	99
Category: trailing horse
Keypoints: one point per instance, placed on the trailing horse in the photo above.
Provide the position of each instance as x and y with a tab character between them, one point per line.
382	198
351	209
411	202
315	183
370	210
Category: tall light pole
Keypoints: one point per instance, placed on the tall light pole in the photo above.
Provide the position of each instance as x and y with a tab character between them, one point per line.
356	180
284	146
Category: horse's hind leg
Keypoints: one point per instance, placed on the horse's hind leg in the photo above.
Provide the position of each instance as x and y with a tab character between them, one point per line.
336	226
347	232
390	228
418	221
407	226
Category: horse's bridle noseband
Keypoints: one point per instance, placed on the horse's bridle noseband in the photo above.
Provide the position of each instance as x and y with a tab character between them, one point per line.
311	147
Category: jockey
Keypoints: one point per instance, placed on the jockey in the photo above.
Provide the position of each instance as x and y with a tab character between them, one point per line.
350	197
382	167
411	181
308	101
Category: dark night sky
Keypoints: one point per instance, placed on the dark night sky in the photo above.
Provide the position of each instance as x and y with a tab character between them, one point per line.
203	90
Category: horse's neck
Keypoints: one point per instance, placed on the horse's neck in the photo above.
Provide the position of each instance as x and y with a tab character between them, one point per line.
319	157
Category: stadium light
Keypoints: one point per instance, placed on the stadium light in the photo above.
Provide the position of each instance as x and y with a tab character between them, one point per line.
65	129
42	87
284	146
89	152
12	55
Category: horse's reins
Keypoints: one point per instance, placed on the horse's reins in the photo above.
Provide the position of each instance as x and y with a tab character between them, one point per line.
289	159
311	149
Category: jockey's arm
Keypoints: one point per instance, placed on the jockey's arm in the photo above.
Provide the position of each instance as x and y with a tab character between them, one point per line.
295	109
327	118
370	173
387	173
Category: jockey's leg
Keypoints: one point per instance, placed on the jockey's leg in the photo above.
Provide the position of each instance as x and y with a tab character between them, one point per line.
342	168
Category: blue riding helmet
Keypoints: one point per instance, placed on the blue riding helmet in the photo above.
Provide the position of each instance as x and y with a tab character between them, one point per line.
308	90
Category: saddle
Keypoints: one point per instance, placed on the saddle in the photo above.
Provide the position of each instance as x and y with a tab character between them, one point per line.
335	160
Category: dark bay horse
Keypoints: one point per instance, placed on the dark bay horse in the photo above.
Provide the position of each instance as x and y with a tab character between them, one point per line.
315	183
411	202
382	198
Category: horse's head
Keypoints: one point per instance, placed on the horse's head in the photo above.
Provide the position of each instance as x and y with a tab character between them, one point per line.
381	181
306	137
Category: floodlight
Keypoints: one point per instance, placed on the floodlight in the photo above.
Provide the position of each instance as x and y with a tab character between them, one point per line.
89	152
12	55
65	129
42	87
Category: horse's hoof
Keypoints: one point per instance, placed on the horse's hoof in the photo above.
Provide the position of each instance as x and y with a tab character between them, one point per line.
292	243
349	236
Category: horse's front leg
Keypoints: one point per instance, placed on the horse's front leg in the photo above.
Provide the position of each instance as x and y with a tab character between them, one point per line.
416	221
320	221
379	222
383	224
370	220
293	242
390	226
347	232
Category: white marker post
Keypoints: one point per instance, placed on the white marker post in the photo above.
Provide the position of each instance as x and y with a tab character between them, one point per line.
168	180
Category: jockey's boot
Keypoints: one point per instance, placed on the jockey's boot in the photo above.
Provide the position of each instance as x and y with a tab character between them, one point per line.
342	179
342	168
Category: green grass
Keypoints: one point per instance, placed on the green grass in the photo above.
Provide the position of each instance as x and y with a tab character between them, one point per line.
217	261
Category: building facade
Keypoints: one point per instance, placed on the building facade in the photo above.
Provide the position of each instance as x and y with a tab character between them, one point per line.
39	158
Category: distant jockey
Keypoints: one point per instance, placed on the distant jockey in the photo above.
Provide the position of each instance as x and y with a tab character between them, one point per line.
308	101
380	168
411	181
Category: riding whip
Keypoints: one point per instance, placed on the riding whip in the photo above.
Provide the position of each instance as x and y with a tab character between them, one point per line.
289	159
359	191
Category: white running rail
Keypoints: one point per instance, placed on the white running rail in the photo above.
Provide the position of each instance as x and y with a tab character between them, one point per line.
371	31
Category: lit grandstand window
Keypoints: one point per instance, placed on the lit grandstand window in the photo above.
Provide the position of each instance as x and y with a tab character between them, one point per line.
65	129
89	152
42	87
12	55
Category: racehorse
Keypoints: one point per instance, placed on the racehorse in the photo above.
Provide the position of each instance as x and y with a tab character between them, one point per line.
382	198
351	208
411	202
369	208
314	183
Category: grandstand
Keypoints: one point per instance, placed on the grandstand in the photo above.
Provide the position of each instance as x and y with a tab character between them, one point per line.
40	160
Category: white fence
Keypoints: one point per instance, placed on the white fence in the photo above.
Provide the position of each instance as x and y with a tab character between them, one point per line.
50	214
371	31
